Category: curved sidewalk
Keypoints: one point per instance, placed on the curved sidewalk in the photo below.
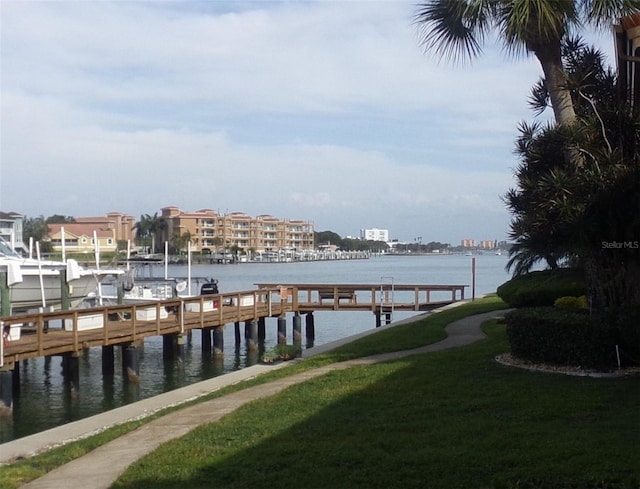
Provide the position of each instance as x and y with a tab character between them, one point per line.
99	468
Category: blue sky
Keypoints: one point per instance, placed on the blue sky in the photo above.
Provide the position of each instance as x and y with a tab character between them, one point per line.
327	111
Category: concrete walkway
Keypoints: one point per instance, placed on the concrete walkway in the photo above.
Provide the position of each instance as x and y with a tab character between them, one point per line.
102	466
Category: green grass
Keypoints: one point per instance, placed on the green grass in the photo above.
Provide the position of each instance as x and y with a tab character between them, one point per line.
443	420
418	333
448	419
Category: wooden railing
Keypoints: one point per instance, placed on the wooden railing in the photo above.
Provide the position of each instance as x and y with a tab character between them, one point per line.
409	297
53	333
69	331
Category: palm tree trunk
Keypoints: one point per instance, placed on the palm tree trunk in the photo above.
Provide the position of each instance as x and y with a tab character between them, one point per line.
555	81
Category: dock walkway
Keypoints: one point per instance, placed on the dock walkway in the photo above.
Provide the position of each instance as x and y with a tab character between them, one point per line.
101	467
120	324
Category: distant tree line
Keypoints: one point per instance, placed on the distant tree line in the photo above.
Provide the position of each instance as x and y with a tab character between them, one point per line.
37	228
327	238
150	228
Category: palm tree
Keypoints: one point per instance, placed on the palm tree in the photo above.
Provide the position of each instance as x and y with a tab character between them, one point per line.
456	29
590	213
150	227
179	241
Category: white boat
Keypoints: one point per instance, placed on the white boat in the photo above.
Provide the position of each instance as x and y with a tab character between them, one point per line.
34	283
141	284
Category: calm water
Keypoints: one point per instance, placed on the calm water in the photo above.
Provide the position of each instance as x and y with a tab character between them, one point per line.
45	400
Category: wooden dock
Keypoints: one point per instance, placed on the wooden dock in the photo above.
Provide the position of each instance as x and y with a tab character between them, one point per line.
69	332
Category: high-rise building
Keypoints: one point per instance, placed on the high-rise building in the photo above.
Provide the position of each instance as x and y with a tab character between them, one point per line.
468	243
210	231
374	234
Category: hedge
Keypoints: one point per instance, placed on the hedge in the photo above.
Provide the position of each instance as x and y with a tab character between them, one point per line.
561	337
542	288
625	323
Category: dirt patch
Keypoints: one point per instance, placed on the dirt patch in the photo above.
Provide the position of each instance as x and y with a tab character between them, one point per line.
510	361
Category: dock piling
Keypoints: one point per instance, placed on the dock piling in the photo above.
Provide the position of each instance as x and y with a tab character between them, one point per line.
218	341
297	329
282	330
131	363
108	357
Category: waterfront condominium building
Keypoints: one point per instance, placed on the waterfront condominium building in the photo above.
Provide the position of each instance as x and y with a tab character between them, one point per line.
374	234
468	243
210	231
627	34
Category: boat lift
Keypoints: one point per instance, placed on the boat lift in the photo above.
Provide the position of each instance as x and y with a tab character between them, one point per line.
387	299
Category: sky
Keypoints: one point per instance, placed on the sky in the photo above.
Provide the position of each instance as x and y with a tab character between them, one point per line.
326	111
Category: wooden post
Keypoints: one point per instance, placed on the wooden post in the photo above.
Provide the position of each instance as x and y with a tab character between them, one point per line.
108	360
218	341
71	369
236	326
6	390
65	296
297	329
169	346
282	330
181	339
206	339
310	327
261	329
252	338
473	278
5	299
131	363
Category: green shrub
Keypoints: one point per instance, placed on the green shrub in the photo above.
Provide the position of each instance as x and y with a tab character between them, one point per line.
542	288
281	352
561	337
625	323
569	302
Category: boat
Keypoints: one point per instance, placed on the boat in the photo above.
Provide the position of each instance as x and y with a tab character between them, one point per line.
140	283
35	283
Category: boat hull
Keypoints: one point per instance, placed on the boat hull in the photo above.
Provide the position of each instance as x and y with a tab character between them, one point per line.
29	294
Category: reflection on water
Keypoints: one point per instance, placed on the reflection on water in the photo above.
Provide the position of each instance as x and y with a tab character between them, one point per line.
47	398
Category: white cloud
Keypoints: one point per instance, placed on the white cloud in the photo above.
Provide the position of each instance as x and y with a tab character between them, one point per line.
326	111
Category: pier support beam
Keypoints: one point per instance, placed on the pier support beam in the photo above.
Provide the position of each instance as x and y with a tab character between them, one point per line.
297	329
71	369
252	338
6	391
169	346
16	377
310	326
262	329
131	363
282	330
181	341
108	360
206	339
218	341
378	319
236	328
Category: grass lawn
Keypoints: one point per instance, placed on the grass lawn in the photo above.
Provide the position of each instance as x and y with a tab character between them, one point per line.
453	419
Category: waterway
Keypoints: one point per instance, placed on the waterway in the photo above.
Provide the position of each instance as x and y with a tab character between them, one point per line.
44	400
